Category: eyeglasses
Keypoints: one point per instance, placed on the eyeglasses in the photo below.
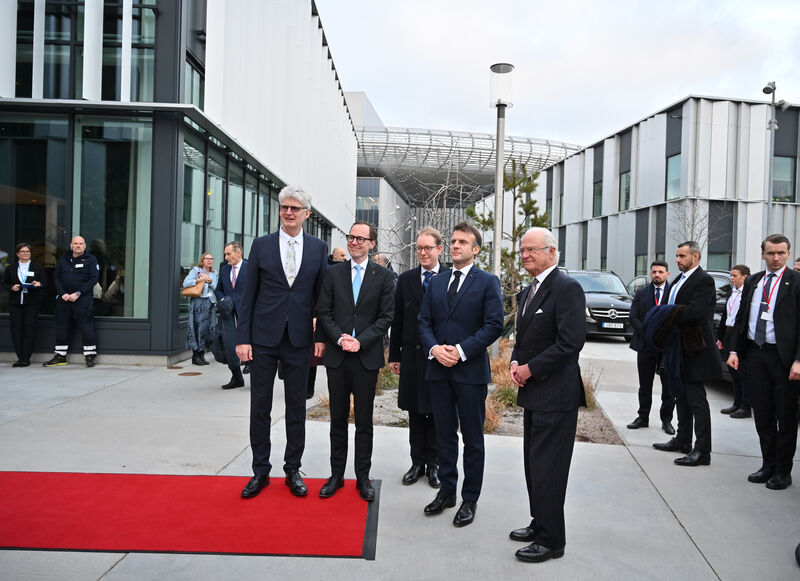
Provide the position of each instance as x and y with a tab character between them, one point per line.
532	249
357	239
425	249
292	209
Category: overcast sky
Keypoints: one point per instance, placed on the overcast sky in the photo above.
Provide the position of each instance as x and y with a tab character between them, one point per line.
584	69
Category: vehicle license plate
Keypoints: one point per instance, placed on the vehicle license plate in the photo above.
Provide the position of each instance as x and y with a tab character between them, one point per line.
613	326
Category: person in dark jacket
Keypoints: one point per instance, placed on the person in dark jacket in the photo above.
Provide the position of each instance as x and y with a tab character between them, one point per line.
24	282
75	276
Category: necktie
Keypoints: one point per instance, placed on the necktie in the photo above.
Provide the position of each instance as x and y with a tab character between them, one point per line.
428	274
761	324
356	282
658	296
233	278
674	292
291	262
532	291
451	292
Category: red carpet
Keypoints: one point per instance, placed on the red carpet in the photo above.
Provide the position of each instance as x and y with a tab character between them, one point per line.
182	514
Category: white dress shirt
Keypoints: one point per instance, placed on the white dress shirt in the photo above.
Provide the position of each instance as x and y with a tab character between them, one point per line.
755	304
283	242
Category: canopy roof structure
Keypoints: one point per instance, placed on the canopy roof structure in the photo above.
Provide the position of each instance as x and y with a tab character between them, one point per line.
422	163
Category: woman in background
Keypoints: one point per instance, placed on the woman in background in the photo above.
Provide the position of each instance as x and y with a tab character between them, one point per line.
24	280
202	322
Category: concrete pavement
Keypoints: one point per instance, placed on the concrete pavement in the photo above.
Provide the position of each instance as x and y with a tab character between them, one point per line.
631	513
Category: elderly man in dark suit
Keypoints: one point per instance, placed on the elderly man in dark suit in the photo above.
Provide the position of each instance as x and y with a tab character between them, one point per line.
355	309
767	335
461	315
407	359
276	323
696	295
232	275
647	357
551	330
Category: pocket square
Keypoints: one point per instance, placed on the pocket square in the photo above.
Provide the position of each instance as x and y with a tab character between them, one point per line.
538	312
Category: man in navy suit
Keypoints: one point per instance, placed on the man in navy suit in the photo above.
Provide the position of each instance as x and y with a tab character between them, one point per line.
551	331
647	357
229	297
355	309
461	315
276	323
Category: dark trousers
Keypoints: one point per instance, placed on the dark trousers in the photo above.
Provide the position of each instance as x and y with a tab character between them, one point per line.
692	407
741	389
647	363
422	438
226	327
465	404
22	322
294	362
548	441
351	378
80	311
774	408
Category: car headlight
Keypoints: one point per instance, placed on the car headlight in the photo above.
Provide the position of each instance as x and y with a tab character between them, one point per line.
589	318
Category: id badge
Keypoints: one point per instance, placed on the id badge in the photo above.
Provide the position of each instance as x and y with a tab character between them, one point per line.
767	316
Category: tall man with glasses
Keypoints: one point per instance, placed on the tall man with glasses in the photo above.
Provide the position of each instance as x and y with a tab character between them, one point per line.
276	324
408	360
461	315
355	309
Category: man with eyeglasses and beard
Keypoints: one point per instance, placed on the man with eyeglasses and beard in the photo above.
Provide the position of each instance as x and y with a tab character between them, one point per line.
276	324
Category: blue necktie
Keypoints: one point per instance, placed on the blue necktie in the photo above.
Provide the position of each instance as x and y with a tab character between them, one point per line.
674	292
658	296
356	288
428	274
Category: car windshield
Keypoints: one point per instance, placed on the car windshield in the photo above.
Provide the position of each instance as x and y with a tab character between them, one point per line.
599	282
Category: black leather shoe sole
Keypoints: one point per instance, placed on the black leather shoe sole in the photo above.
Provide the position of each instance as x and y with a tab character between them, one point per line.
330	487
523	535
365	491
254	486
760	476
295	487
537	553
779	482
465	514
691	460
741	414
439	504
638	423
233	384
672	447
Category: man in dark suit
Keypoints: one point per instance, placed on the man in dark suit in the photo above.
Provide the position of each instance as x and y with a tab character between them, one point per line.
275	323
550	333
355	309
647	358
407	359
232	275
767	335
694	291
461	315
741	407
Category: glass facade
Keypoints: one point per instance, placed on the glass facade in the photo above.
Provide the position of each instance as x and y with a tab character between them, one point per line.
783	179
597	199
624	191
673	189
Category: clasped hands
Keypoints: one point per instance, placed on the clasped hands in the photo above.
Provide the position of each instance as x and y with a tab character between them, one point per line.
519	373
447	355
349	343
70	298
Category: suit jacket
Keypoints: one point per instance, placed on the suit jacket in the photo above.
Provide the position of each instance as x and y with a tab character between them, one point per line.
786	317
698	295
549	338
405	345
34	295
643	301
226	290
370	316
474	321
269	305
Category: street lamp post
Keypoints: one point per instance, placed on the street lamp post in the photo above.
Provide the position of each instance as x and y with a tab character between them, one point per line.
772	126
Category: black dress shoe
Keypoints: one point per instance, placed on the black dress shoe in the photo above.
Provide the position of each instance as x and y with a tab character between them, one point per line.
779	481
666	425
729	410
442	501
762	475
639	422
465	513
433	476
196	358
741	413
233	383
254	486
673	446
365	489
330	487
17	364
25	363
246	368
295	483
695	458
536	553
525	534
413	474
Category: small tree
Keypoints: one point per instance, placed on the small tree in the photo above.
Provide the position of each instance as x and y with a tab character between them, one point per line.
521	185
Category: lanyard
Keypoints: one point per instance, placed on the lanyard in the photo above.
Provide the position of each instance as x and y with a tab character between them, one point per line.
775	284
733	302
659	296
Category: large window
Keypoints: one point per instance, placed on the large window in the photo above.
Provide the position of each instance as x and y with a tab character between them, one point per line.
250	211
63	50
597	199
783	179
194	168
33	190
217	195
143	38
674	177
111	208
235	202
194	86
624	191
24	78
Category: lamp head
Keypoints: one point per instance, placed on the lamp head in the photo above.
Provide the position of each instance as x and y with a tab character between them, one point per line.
500	89
769	88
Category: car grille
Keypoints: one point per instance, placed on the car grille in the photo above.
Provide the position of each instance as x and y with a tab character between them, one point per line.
610	314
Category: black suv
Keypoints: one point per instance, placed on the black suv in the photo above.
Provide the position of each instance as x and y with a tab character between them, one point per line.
608	303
